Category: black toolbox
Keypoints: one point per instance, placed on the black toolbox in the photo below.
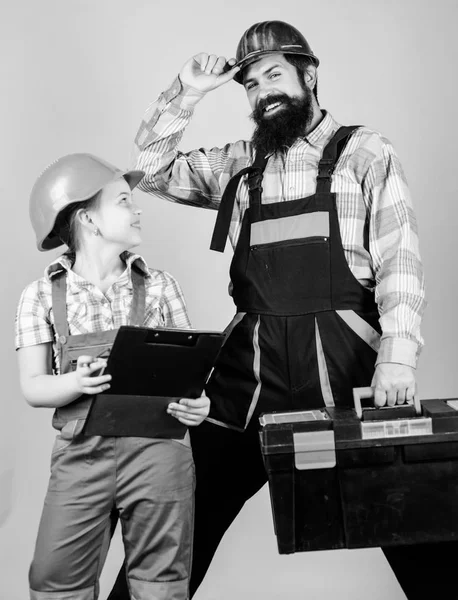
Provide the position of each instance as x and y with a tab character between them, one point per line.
356	478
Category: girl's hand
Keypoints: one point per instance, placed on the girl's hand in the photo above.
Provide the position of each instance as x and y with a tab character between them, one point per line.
89	379
190	411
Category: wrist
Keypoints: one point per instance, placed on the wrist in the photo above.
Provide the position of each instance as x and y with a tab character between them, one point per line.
73	384
189	96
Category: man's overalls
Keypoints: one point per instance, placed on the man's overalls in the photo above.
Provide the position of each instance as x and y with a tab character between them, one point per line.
292	343
148	481
306	333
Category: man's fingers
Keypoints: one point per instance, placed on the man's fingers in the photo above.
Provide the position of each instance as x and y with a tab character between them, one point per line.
379	397
201	59
211	62
225	77
410	393
401	396
220	66
391	397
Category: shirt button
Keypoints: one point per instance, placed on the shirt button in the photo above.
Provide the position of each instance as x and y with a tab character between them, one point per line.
292	188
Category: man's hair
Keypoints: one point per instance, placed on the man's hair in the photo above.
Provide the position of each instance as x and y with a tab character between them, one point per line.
301	63
66	227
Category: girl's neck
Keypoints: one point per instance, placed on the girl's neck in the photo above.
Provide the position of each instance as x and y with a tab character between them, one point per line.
101	268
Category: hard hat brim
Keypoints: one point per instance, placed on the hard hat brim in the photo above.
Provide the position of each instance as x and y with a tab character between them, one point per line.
258	54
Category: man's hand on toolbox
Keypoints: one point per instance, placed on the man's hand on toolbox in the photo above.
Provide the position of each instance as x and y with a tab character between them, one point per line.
393	383
190	411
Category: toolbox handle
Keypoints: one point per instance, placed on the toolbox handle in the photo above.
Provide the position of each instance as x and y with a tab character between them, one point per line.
364	393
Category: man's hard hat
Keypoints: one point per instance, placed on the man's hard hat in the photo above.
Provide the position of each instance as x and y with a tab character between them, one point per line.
70	179
267	37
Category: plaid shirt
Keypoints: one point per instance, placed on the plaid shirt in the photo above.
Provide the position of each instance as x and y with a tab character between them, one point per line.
370	187
89	310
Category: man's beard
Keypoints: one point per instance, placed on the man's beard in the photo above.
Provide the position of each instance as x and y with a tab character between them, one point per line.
281	130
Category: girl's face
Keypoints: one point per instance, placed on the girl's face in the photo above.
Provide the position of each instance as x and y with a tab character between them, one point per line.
115	215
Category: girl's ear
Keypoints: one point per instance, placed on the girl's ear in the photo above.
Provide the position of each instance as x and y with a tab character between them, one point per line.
83	218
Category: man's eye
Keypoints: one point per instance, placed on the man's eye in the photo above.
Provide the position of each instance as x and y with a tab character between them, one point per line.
274	75
250	86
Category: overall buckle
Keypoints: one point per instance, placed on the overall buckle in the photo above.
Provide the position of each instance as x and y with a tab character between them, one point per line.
254	180
325	168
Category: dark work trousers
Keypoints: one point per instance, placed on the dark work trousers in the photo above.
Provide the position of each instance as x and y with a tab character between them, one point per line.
305	334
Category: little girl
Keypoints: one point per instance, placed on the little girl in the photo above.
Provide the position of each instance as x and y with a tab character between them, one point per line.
65	322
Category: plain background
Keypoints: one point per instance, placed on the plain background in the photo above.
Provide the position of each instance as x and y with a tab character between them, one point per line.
77	75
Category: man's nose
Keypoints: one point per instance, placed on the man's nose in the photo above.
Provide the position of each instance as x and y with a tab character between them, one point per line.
265	87
264	92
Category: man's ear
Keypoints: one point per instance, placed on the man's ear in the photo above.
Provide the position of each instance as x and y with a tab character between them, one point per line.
310	77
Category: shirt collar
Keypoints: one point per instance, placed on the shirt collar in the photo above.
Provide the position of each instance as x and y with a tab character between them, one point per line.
321	134
65	263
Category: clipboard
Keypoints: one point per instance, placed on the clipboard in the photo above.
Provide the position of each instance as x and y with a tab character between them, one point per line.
151	367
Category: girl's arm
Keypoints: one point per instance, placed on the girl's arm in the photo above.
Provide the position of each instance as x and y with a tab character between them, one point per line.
43	389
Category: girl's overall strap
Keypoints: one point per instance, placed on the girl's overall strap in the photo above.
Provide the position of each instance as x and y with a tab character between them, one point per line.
59	303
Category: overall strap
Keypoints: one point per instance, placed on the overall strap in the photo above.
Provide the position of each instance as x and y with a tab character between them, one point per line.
255	186
226	207
59	303
331	155
137	309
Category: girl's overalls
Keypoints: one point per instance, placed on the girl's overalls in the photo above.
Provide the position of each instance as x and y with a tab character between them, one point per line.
148	481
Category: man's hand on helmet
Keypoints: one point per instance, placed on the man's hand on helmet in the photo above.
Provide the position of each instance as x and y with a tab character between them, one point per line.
206	72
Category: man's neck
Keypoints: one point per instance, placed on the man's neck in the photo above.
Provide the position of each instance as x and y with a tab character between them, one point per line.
318	116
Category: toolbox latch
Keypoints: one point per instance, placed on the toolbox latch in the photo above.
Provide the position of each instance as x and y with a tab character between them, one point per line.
314	450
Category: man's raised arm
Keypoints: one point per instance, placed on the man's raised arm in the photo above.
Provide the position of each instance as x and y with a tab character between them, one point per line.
191	178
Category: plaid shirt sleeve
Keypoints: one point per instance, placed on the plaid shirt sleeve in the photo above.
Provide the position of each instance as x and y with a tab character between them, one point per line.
173	306
32	324
394	249
192	178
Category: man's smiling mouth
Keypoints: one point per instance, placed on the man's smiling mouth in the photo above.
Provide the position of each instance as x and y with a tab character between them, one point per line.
272	106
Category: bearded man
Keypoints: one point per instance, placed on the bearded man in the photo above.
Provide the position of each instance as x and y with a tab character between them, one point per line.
326	274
